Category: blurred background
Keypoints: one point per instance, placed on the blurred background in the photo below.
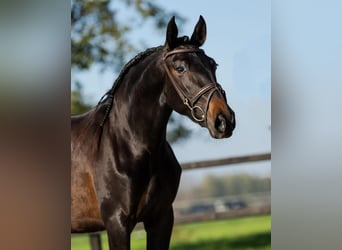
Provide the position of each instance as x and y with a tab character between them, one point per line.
107	34
306	116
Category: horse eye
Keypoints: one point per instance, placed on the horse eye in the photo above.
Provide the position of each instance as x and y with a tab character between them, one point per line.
180	69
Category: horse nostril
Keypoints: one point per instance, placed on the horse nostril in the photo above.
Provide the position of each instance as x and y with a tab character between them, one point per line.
220	123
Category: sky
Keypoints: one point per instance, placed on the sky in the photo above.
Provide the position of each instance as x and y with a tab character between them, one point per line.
239	39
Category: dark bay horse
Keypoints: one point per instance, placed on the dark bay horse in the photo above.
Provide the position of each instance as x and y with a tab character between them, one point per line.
123	170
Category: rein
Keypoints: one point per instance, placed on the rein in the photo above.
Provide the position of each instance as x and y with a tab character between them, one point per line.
190	102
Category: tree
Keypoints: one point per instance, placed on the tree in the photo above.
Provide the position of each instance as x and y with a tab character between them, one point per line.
216	186
99	37
213	186
77	101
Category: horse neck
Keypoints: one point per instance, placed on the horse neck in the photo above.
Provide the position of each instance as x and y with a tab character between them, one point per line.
139	109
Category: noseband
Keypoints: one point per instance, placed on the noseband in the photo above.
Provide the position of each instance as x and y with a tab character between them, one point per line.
190	102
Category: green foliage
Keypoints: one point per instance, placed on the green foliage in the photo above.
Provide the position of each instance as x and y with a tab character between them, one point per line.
237	234
216	186
212	187
99	36
78	104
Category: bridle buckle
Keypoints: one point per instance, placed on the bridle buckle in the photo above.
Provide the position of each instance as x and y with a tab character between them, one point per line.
193	111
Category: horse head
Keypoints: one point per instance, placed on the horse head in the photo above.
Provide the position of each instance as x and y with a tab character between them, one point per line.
191	88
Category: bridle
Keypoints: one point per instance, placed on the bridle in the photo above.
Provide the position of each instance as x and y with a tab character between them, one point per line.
190	102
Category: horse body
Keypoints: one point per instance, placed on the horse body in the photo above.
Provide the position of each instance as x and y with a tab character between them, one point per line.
123	170
121	175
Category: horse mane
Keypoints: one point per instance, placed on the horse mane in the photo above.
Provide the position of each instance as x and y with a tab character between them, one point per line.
107	98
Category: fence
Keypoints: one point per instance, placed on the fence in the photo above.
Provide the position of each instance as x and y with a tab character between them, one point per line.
265	208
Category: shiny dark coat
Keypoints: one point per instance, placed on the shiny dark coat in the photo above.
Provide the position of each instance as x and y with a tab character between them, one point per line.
123	170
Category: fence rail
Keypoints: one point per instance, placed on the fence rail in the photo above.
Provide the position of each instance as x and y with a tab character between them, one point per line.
226	161
95	238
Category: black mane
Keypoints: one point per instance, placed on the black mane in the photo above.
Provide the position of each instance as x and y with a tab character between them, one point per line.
107	98
125	69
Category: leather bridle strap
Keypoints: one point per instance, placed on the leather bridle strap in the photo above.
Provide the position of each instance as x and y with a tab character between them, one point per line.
190	102
177	51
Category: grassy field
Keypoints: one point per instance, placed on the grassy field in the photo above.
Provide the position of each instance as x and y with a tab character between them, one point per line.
238	234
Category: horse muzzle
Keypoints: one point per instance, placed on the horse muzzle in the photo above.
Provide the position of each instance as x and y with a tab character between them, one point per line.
220	119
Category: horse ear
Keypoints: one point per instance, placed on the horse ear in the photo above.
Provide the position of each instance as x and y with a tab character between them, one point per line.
200	33
171	34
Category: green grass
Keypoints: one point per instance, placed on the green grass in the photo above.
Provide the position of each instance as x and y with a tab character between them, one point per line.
253	233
